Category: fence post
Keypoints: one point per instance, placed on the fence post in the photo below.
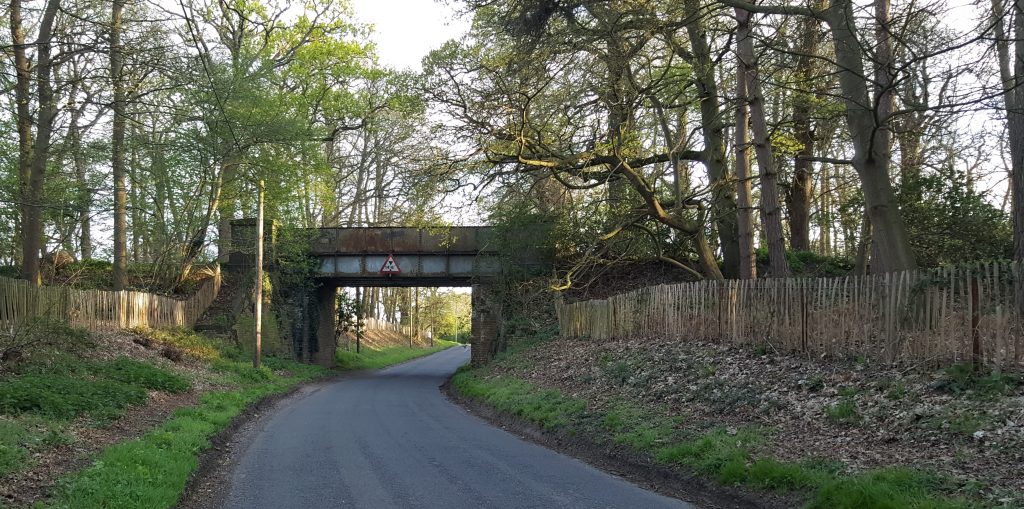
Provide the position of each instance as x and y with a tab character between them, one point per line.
721	304
803	314
975	323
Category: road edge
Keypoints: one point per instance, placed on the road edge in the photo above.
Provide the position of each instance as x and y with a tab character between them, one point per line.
622	461
213	460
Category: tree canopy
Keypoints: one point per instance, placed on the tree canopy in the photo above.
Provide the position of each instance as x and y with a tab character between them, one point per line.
691	134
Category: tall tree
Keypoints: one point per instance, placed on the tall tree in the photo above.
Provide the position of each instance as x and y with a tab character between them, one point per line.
800	189
1012	79
744	200
117	146
779	266
868	115
33	151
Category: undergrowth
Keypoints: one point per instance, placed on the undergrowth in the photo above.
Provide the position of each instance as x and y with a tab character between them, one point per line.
728	455
67	388
978	382
189	342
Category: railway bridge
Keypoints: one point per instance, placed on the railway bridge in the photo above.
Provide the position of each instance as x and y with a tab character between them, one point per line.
463	256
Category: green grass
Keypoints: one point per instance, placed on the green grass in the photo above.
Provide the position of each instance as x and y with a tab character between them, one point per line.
151	471
728	455
38	403
20	435
546	407
369	358
843	412
50	391
66	388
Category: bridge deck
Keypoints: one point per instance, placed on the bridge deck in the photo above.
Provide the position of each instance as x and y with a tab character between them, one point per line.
400	240
455	256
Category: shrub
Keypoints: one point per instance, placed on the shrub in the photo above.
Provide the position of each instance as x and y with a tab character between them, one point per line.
39	337
809	263
64	397
964	378
141	374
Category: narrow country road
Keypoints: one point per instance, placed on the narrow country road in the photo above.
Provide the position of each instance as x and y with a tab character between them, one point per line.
392	439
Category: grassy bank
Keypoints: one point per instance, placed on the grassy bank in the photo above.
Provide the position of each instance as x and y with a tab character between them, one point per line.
726	454
151	471
64	391
369	358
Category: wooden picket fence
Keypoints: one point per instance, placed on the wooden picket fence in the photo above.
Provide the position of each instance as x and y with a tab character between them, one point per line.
102	310
935	317
370	323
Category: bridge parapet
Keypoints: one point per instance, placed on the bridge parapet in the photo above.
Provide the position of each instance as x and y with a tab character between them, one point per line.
448	240
450	256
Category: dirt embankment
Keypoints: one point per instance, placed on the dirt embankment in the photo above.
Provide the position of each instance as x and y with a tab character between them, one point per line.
964	425
380	339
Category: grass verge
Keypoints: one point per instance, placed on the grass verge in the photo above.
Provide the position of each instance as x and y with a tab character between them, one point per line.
369	358
728	455
151	471
45	395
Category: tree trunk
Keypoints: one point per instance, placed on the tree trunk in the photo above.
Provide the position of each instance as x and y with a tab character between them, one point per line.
1016	141
861	261
117	159
799	197
779	266
139	237
1013	99
723	196
258	298
870	136
226	206
158	172
33	155
84	194
825	212
22	93
744	203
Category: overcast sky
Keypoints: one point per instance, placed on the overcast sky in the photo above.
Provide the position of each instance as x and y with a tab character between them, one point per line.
406	30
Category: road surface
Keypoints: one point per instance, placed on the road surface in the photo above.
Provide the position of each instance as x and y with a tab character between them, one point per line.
391	439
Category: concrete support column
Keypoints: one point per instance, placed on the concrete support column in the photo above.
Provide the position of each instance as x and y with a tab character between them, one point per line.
485	322
327	307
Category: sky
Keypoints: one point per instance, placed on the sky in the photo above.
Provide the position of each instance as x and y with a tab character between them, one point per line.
406	30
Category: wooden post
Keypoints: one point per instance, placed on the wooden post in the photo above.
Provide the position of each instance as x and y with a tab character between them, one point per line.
258	310
803	314
359	312
975	322
416	315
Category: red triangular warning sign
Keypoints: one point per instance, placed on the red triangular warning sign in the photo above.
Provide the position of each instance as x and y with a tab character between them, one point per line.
390	266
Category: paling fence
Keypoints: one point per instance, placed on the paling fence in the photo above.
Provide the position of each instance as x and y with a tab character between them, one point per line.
102	310
930	316
370	323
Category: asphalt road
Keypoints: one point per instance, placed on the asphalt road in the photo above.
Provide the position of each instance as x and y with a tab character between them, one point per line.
392	439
